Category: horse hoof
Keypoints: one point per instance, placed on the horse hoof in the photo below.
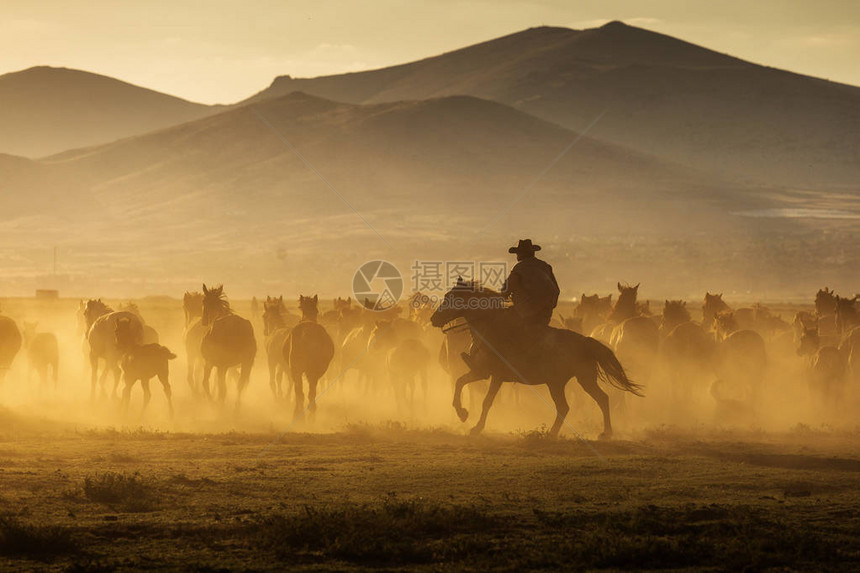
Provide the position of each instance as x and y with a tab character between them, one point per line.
605	436
476	431
463	414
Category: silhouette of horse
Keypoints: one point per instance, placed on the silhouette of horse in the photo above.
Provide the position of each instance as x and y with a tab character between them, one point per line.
688	353
150	336
101	336
10	344
850	350
308	351
228	341
562	354
712	305
592	311
276	331
43	353
847	315
741	359
625	307
826	302
142	362
406	358
827	368
674	313
635	338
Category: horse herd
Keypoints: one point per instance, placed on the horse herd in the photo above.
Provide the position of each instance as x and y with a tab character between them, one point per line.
726	355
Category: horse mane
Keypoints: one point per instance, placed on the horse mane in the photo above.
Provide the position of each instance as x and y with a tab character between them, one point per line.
216	300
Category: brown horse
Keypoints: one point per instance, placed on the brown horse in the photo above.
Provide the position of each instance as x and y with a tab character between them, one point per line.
228	342
43	354
308	351
741	358
592	311
101	336
827	369
712	305
561	355
847	314
674	313
276	332
142	362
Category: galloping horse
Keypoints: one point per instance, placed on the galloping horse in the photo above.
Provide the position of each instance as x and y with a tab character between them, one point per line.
741	359
562	354
635	338
275	331
101	335
228	341
308	351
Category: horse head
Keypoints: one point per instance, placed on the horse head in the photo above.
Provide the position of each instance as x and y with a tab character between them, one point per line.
309	307
826	301
809	342
273	317
465	298
725	324
93	310
192	303
215	304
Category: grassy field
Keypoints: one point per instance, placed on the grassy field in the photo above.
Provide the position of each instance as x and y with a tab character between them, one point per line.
386	496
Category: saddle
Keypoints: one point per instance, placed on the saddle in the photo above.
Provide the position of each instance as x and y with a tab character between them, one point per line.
516	347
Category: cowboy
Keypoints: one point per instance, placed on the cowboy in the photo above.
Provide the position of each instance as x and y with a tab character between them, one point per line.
531	286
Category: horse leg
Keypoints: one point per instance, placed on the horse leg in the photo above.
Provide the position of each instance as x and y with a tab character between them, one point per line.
312	394
495	385
588	381
147	394
466	378
556	391
126	394
207	373
296	379
189	374
168	392
273	378
117	376
94	372
244	377
222	384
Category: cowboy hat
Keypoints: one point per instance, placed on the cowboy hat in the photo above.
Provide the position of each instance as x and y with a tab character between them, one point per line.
525	245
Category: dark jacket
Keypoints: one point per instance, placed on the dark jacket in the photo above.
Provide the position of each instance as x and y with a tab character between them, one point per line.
533	289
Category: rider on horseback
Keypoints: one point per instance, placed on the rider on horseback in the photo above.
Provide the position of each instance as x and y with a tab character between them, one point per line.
534	291
531	286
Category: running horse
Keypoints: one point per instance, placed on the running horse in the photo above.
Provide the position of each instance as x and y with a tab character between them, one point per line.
101	321
560	355
228	341
308	350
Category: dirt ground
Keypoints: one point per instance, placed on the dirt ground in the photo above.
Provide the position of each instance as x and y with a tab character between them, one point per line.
385	496
370	486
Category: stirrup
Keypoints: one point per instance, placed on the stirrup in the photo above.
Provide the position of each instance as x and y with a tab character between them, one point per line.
467	359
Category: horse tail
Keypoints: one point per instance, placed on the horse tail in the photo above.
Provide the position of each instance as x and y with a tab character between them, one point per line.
609	369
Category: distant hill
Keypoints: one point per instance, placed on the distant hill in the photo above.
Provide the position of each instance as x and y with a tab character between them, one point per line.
432	177
662	96
45	110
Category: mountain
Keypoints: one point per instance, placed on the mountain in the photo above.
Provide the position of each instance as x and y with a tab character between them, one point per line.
662	96
45	110
299	191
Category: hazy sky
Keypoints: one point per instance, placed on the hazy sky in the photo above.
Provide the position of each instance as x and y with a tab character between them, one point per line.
221	51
